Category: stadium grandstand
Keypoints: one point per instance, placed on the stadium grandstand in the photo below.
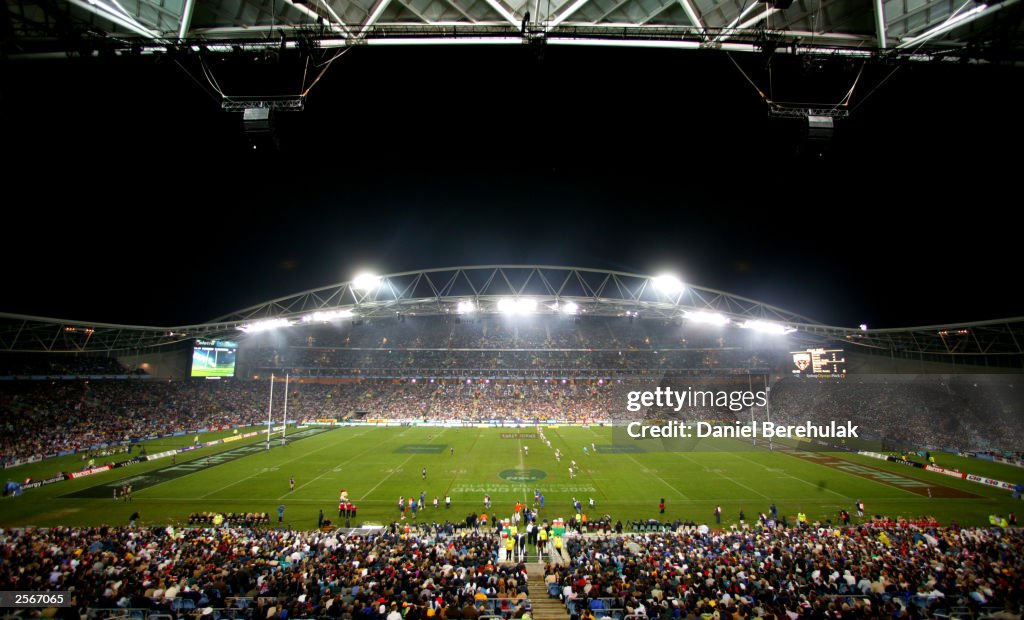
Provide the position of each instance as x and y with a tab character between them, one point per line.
453	443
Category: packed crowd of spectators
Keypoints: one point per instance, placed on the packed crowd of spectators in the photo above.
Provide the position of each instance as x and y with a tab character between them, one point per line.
276	574
44	417
951	412
867	572
324	362
924	411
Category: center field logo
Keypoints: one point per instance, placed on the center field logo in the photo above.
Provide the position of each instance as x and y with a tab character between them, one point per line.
523	475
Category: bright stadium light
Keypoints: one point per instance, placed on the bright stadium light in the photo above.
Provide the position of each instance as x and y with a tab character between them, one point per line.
326	316
366	282
767	327
510	305
710	318
863	327
570	307
262	326
668	284
465	307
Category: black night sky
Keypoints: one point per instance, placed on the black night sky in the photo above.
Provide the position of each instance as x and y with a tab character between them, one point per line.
131	197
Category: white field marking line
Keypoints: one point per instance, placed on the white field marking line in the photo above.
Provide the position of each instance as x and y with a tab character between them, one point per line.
367	494
257	473
721	475
332	469
788	475
663	481
205	468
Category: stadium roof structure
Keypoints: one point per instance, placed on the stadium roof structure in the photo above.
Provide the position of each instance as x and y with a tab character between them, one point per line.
500	289
918	28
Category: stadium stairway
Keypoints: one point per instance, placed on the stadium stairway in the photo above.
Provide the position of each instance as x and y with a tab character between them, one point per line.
544	607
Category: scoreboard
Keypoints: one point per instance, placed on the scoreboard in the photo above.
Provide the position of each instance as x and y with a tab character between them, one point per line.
819	363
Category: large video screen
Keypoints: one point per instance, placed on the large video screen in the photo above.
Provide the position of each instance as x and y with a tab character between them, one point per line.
214	358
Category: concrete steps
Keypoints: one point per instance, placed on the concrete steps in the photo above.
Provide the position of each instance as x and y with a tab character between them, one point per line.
544	607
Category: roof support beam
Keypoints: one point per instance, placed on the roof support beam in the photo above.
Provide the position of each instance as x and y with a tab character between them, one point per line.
99	8
757	18
414	11
378	8
575	6
658	12
509	17
186	19
732	25
880	23
692	14
615	7
954	22
334	20
455	5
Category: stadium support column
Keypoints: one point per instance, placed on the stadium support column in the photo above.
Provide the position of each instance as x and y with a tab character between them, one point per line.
768	406
284	431
270	410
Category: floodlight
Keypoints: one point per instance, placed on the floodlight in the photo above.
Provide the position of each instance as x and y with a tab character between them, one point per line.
511	305
465	307
570	307
668	284
366	282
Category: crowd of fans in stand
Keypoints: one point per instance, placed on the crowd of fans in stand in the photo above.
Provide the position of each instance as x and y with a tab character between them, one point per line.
286	574
43	417
317	362
812	572
952	412
794	573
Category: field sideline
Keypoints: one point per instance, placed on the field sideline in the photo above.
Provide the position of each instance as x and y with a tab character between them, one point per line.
376	465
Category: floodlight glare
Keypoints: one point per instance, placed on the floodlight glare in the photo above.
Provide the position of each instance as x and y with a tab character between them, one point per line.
863	327
465	307
366	282
710	318
510	305
262	326
570	307
326	316
768	327
668	284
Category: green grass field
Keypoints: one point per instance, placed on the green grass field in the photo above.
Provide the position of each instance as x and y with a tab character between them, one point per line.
378	464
